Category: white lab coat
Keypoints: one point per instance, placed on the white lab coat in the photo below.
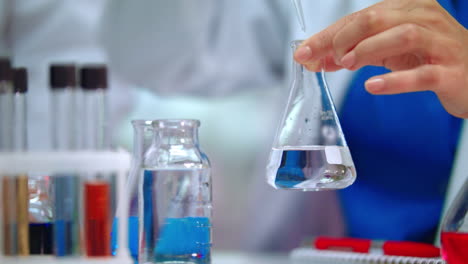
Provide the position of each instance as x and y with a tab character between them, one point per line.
204	48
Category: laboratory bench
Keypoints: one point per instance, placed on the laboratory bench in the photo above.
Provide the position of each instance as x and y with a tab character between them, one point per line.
231	257
325	257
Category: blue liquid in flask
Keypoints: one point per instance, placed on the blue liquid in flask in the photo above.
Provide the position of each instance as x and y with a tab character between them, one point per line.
311	168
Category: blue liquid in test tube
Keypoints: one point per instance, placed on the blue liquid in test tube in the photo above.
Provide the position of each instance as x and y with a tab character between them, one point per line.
66	230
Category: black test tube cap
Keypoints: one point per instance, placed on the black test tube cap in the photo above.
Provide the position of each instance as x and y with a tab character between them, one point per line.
20	77
62	76
5	69
93	77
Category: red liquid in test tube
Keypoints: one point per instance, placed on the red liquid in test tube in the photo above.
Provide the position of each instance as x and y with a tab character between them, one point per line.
97	218
455	247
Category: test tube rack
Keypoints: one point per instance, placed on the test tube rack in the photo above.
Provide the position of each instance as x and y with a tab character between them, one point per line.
82	162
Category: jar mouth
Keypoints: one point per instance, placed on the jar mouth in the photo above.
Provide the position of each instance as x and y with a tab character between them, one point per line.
140	122
175	123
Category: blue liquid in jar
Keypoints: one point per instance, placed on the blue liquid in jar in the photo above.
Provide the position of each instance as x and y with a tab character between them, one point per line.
185	239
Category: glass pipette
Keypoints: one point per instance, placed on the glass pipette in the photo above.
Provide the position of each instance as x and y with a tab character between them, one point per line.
299	13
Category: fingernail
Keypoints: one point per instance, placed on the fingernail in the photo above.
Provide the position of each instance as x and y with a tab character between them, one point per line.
337	60
349	60
303	53
375	85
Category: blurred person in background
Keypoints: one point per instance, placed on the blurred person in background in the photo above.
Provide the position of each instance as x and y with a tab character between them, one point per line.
212	60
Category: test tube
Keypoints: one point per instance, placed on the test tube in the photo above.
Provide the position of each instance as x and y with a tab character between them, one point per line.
40	215
6	105
20	109
97	188
20	144
64	106
65	138
23	214
10	236
94	84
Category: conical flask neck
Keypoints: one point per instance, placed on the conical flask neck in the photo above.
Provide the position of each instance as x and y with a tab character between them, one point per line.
297	69
310	116
301	73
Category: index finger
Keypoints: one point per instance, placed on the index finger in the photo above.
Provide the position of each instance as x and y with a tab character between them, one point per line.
321	44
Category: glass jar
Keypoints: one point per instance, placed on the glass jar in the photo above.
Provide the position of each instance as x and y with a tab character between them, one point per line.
175	196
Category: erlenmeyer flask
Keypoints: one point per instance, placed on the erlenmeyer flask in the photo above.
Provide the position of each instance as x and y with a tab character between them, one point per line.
310	152
455	229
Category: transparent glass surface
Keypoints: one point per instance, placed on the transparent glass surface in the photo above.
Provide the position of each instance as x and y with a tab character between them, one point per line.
99	189
20	129
63	110
66	229
9	214
175	196
41	215
98	200
310	152
94	120
6	116
9	185
455	229
142	138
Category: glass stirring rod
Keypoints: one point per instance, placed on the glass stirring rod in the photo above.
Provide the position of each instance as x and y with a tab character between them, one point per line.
299	13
